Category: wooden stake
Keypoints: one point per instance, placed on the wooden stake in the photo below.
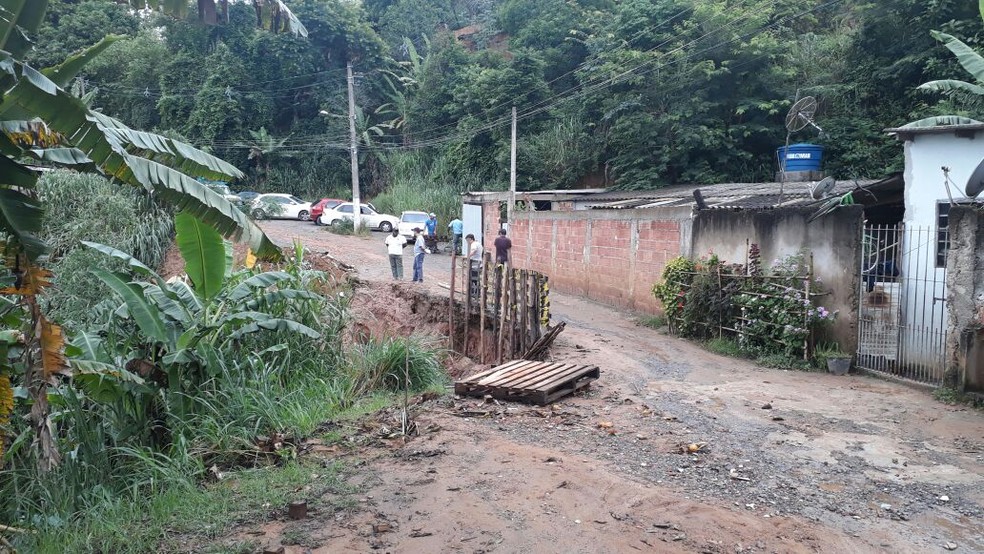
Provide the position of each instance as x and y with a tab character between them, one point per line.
468	300
451	304
503	308
483	305
524	306
513	312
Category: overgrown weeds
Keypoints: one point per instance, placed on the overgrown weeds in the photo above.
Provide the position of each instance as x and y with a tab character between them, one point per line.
396	363
417	183
652	321
347	227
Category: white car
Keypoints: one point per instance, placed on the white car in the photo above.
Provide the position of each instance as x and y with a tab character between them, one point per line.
409	220
370	217
224	191
280	206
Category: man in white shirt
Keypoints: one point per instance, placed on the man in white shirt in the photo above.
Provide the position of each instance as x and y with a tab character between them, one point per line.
475	264
394	245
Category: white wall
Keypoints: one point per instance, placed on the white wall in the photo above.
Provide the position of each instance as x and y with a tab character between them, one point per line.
924	288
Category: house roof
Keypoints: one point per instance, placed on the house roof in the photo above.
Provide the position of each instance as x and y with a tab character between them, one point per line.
721	196
726	196
938	125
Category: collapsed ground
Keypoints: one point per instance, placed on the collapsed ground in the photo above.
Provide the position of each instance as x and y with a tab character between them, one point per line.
789	461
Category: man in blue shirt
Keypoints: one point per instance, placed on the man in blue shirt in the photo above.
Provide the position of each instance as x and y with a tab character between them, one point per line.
457	227
431	226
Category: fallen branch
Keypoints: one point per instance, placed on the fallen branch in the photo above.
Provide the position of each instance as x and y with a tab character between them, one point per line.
9	529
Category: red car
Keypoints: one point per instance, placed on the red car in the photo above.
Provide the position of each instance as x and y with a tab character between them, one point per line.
320	206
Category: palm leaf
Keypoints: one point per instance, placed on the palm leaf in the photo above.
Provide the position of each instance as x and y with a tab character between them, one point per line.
20	217
204	254
272	15
132	262
286	294
949	86
263	280
275	324
105	141
967	56
144	315
63	73
18	18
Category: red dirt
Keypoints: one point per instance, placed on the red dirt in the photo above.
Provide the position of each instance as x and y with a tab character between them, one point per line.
602	472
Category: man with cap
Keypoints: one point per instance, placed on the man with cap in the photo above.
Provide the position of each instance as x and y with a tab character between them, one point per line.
457	227
431	226
419	249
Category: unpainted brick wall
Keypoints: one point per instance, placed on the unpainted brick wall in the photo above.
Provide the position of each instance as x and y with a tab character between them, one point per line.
613	257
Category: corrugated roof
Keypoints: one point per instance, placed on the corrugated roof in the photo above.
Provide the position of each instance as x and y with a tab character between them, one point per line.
730	195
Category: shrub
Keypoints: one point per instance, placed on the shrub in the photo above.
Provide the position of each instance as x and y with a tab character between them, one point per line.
387	363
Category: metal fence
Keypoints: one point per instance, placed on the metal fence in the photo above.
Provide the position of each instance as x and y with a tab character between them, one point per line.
902	316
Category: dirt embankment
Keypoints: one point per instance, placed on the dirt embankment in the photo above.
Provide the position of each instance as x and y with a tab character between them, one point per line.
786	462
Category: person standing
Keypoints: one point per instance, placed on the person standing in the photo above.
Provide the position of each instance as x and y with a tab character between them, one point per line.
502	246
474	265
419	249
457	227
431	226
394	245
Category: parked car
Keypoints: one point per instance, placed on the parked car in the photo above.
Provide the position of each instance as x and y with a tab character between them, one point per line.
280	206
224	191
247	196
409	220
321	205
370	217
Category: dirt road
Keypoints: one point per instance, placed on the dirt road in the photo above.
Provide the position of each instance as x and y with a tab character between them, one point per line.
793	462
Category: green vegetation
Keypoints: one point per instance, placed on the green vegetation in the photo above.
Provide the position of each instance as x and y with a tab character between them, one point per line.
652	321
766	312
347	227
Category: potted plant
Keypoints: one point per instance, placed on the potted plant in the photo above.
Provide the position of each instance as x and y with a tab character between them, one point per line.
837	361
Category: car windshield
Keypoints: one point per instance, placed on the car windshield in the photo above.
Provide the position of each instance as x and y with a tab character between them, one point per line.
329	204
413	218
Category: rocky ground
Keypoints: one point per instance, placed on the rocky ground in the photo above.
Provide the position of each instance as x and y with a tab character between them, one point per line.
674	449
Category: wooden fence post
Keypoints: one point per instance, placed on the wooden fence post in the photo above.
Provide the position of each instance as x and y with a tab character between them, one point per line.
451	303
483	304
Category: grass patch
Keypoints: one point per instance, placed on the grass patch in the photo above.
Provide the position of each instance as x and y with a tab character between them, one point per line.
186	515
652	321
347	227
725	347
955	397
782	361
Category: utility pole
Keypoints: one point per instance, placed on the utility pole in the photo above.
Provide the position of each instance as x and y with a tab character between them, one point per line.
354	151
512	172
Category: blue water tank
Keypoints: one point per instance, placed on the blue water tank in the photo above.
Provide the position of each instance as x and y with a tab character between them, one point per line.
801	157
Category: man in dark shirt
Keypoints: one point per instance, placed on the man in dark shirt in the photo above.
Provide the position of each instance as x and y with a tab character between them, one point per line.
502	246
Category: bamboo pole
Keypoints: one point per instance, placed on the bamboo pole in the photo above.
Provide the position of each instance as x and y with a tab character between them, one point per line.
524	306
503	307
483	304
451	303
468	300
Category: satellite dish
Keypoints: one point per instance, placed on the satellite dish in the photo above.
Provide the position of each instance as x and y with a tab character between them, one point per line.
975	185
801	114
822	188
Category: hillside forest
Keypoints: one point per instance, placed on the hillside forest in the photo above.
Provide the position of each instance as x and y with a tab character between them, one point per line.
633	94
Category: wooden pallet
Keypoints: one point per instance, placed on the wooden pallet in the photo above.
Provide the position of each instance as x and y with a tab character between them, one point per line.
528	381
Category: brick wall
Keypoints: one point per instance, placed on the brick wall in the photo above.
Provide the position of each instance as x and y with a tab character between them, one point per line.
611	256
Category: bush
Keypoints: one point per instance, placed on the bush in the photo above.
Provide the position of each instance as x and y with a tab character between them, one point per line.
386	364
765	312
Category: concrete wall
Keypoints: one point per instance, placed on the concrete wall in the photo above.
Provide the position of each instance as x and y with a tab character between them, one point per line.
834	241
965	298
611	256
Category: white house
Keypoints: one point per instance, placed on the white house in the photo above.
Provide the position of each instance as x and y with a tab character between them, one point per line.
940	155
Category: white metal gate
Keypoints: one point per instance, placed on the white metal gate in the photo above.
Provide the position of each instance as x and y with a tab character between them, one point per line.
902	316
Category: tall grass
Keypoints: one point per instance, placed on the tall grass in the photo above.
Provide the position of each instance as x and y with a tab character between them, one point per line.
89	207
396	363
416	183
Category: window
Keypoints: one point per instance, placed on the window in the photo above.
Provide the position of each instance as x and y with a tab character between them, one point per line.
345	208
942	232
367	211
414	218
296	200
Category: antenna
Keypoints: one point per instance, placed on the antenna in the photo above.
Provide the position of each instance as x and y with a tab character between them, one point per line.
975	184
801	115
823	188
